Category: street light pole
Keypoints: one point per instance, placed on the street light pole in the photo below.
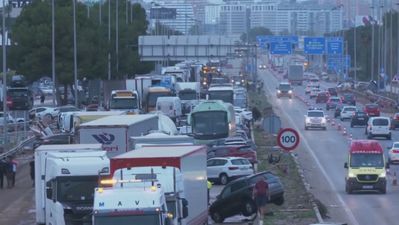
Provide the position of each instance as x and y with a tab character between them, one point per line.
3	40
372	44
75	66
355	41
117	35
53	51
109	39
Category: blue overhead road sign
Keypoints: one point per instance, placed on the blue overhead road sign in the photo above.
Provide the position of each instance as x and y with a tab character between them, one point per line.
281	48
314	45
334	45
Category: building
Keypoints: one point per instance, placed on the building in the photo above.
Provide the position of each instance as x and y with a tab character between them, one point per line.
296	18
234	19
175	15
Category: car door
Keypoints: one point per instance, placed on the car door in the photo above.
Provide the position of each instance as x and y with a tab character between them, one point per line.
210	168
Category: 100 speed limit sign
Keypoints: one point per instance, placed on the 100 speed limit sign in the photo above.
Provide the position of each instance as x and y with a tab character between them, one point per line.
288	139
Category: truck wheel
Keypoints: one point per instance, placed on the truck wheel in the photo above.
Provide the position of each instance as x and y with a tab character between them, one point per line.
249	208
369	136
383	190
217	217
223	179
348	189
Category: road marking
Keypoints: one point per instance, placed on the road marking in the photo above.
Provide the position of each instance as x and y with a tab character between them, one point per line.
311	151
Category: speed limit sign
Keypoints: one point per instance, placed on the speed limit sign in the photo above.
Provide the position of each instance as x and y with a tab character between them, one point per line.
288	139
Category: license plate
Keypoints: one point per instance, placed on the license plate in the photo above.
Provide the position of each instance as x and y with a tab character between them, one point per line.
367	186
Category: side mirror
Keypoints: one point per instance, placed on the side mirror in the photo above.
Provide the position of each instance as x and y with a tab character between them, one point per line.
185	208
49	193
346	165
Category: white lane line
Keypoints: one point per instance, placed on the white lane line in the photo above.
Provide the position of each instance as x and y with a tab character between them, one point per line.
311	151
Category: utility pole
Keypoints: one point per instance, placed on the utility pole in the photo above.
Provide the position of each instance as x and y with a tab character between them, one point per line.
391	48
372	41
75	66
109	39
355	41
100	18
117	35
53	51
4	43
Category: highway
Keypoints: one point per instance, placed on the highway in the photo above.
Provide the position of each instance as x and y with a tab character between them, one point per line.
325	153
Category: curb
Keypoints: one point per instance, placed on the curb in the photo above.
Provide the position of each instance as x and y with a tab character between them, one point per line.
307	187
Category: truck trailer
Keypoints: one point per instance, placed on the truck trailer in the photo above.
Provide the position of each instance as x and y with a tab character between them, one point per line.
114	131
179	170
65	178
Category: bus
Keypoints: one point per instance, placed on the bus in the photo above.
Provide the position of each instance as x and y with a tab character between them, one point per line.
211	120
224	93
125	100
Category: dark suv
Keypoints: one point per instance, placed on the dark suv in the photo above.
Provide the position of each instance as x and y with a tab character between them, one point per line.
359	119
236	197
19	99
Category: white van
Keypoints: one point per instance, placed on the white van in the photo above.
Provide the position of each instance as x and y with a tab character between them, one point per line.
170	106
379	126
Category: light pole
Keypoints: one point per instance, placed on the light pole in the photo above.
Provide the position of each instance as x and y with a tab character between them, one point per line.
75	65
109	39
117	35
53	51
372	43
355	41
3	40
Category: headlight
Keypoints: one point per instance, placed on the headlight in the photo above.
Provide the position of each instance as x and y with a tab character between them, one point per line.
278	91
383	174
351	175
204	83
290	92
307	120
323	120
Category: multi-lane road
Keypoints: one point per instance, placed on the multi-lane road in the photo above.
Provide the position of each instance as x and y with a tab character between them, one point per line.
323	154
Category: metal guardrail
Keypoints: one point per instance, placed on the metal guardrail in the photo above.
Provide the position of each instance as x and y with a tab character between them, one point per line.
18	148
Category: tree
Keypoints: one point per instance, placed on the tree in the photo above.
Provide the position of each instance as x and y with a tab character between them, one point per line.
253	32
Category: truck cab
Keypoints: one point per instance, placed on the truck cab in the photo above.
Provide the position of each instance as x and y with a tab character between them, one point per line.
128	205
125	100
366	167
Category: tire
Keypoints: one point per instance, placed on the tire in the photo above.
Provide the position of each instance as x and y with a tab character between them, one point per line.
369	136
352	125
223	179
348	189
249	208
217	217
279	201
389	137
48	116
383	190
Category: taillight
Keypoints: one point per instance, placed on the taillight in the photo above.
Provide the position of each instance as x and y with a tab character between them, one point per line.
233	167
395	151
9	101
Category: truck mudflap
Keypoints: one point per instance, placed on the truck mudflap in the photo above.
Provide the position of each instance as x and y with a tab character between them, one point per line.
201	219
354	185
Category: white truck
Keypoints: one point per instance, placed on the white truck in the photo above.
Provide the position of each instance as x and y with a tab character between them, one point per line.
295	74
114	131
141	85
189	94
170	106
179	170
181	74
65	178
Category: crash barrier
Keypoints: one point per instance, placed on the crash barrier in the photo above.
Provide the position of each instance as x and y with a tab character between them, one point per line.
18	148
382	101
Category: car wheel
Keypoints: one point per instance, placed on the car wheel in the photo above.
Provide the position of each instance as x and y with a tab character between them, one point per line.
352	125
223	179
217	217
369	136
389	137
48	117
279	201
249	208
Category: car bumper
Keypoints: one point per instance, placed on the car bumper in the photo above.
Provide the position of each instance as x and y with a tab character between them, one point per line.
380	134
284	95
366	186
315	125
359	122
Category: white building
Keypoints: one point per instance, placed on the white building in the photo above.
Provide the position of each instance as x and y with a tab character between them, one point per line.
212	14
184	20
234	19
297	19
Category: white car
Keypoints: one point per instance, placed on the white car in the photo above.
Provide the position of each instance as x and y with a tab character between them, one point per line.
347	112
393	154
315	118
42	113
379	126
225	169
314	92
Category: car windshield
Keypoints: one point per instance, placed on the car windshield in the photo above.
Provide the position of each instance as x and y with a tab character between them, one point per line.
17	92
210	124
127	220
315	114
334	99
395	145
380	122
348	97
284	87
366	160
76	189
371	106
349	109
123	103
